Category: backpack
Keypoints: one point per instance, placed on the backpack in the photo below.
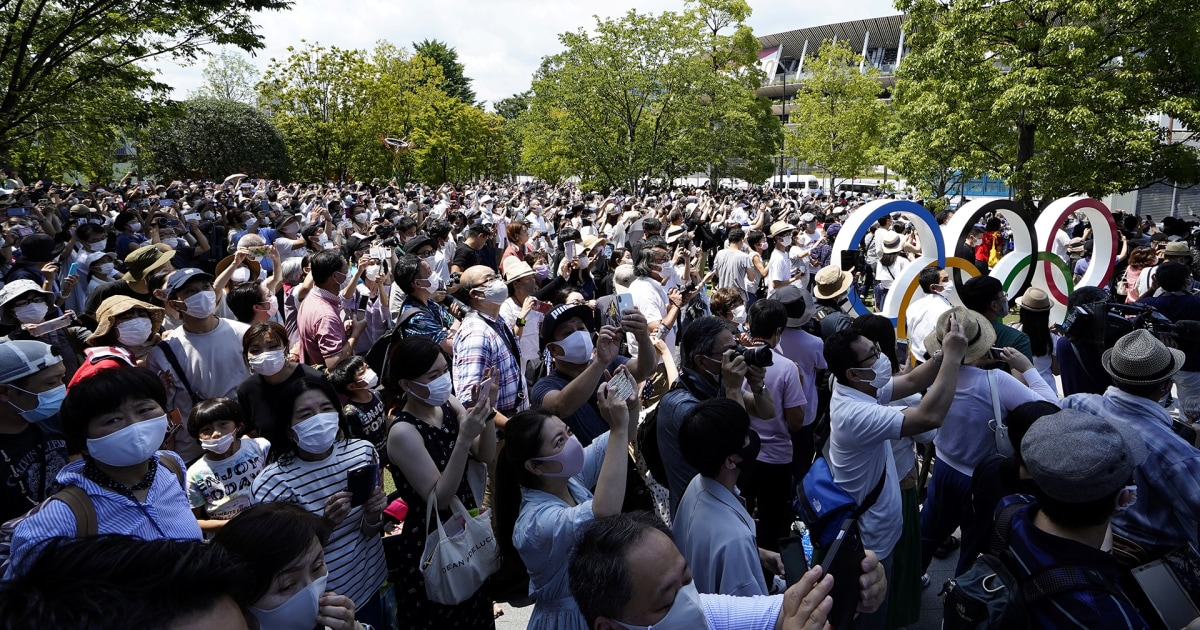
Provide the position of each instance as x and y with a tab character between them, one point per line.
647	437
81	507
995	592
824	506
379	355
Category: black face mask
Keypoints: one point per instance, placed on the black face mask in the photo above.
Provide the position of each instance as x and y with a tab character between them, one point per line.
749	452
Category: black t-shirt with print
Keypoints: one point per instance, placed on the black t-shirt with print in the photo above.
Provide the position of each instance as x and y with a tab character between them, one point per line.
29	462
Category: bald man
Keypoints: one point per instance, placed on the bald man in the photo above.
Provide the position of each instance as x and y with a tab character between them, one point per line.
484	342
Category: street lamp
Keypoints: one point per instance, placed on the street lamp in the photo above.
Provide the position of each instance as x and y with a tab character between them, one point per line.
782	116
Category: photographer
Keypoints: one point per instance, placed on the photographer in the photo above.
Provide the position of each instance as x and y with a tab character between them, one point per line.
1077	351
1176	304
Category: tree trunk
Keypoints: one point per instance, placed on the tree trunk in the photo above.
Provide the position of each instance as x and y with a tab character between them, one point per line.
1025	143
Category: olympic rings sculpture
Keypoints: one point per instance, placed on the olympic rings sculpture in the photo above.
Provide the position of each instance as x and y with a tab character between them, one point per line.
1032	261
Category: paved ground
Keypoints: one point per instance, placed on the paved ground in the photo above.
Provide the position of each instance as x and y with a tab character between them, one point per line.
931	604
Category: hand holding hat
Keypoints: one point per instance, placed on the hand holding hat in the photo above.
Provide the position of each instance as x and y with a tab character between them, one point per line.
954	343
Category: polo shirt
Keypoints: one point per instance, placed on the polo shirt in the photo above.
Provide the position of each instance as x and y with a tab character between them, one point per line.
321	327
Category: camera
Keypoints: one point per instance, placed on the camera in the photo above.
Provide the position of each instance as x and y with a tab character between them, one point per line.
760	356
1103	323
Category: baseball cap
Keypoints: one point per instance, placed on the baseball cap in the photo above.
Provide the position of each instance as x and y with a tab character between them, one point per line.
180	277
1076	457
562	313
21	357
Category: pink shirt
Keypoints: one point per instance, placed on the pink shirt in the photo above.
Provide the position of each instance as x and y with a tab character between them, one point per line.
321	327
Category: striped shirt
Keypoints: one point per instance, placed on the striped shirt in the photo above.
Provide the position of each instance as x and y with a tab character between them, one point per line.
355	560
479	346
165	514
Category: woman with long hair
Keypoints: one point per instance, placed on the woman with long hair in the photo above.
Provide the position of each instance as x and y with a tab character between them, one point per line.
311	460
1140	259
1035	322
433	443
548	486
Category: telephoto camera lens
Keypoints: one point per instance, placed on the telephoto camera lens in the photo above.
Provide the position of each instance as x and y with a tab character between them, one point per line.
760	356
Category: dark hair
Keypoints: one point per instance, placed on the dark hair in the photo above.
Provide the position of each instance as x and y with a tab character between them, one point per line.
767	317
1036	324
880	330
1021	417
736	235
699	337
437	229
928	277
888	259
410	358
714	430
105	392
1172	276
405	272
267	537
979	292
1077	515
641	265
243	298
992	225
754	238
651	224
260	330
597	572
324	264
478	229
280	434
213	410
157	584
345	373
522	442
723	300
839	353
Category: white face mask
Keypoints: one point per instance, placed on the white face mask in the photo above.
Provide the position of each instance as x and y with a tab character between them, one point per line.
98	246
439	390
686	613
577	347
267	363
316	434
241	274
251	222
882	369
131	445
135	226
584	261
739	314
299	611
32	313
219	446
134	332
372	272
370	378
202	304
361	217
105	270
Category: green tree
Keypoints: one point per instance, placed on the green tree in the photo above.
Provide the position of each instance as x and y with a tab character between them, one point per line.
511	109
59	60
212	138
230	76
456	83
1057	97
839	119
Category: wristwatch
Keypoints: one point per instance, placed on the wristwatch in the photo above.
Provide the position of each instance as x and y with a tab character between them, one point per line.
521	321
758	391
937	358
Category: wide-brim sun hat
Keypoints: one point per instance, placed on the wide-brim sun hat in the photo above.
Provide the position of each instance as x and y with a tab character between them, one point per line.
117	305
1034	299
980	334
1139	358
780	227
141	261
831	282
792	297
515	269
892	243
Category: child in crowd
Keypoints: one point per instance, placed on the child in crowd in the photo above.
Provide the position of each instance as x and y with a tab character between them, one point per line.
218	484
355	383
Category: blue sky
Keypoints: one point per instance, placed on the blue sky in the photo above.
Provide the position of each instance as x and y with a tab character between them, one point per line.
500	42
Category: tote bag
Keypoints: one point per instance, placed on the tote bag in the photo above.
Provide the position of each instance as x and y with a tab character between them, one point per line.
459	555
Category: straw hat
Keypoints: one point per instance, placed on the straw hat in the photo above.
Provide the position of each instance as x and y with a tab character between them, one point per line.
1177	249
831	282
106	316
1139	358
891	243
780	227
1034	299
980	334
515	269
255	268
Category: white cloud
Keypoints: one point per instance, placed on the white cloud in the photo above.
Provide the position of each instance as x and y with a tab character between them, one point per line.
500	42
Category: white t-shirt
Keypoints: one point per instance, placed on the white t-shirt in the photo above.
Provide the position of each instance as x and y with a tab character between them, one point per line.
921	320
885	276
650	298
222	487
530	334
779	269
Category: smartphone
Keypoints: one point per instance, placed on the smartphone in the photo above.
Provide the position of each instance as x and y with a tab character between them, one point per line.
362	302
844	563
621	384
996	354
21	231
48	326
608	251
849	257
17	211
266	206
795	565
902	350
542	307
195	216
1167	596
569	250
624	302
361	482
72	269
166	202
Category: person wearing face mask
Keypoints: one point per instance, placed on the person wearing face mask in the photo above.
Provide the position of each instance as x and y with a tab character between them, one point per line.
272	370
116	419
139	265
97	270
218	484
519	313
436	445
964	443
661	307
288	240
419	314
31	439
922	314
370	297
204	359
779	265
24	304
356	384
548	485
128	323
484	342
311	457
578	366
281	551
129	234
626	573
327	333
713	529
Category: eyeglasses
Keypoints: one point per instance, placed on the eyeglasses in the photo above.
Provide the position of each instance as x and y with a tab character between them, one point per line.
873	357
26	301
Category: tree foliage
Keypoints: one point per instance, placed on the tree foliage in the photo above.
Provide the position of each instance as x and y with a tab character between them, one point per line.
648	96
229	76
455	82
60	60
211	138
1057	96
839	119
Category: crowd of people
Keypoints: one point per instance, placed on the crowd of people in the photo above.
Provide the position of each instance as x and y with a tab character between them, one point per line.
205	388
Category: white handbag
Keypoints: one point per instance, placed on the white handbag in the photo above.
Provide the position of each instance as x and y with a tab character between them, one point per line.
1003	445
459	555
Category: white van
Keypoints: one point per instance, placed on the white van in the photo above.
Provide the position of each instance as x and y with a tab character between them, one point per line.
803	184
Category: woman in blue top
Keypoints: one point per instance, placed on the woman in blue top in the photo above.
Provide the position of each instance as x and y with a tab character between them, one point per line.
545	481
117	420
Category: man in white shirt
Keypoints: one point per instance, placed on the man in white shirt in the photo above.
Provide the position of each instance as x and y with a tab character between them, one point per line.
660	306
922	314
779	267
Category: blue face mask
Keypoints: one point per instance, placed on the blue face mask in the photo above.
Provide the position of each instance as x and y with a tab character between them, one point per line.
49	402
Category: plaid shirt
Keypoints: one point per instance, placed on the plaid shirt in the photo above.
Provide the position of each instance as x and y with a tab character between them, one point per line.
431	320
479	346
1167	512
